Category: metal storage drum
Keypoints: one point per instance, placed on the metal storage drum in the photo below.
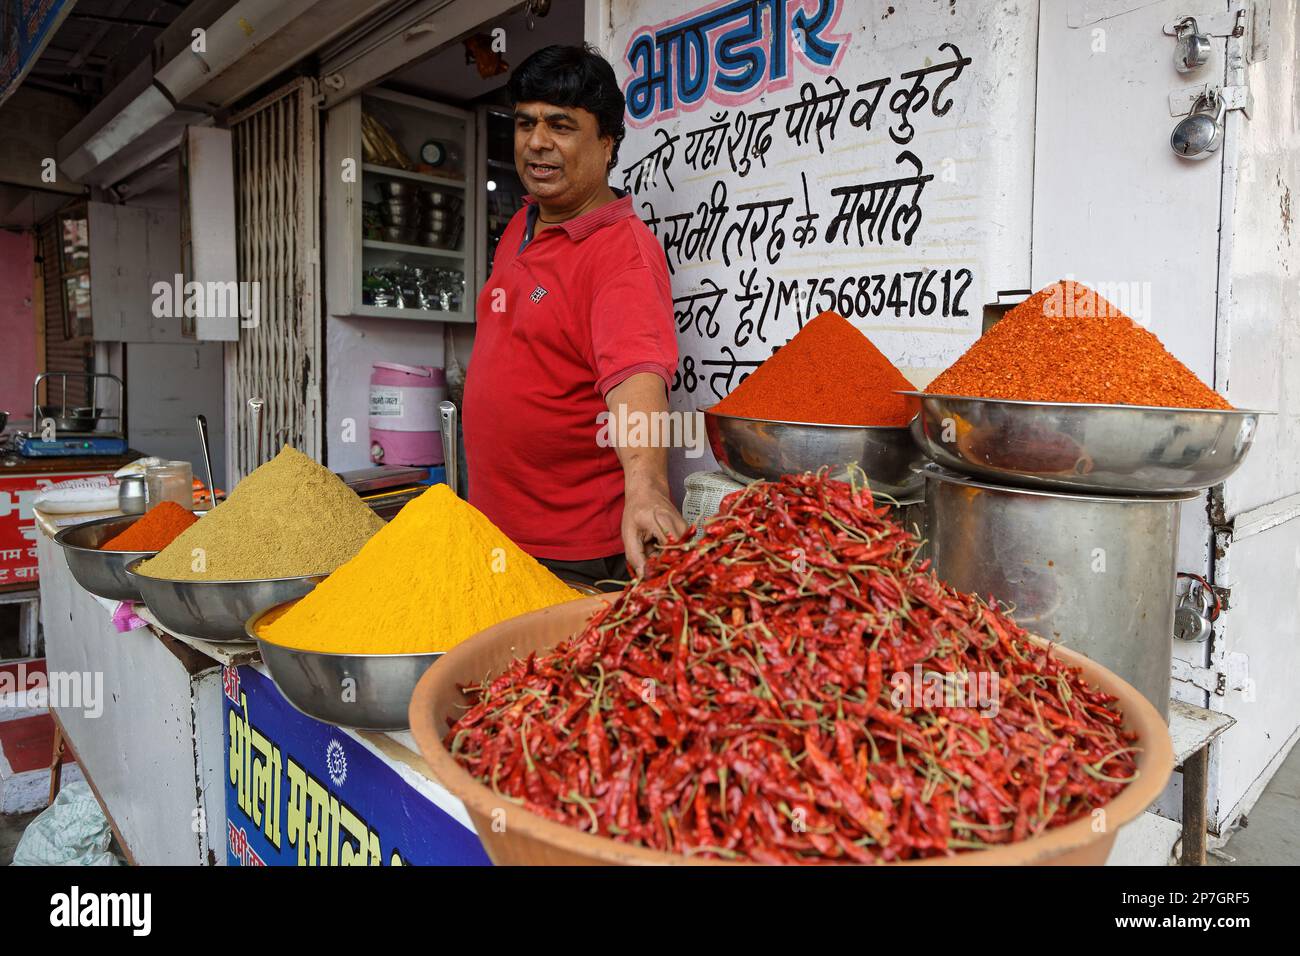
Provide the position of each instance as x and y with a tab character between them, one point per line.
1096	573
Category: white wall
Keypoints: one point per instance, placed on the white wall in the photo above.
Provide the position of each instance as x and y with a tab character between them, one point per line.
167	385
975	212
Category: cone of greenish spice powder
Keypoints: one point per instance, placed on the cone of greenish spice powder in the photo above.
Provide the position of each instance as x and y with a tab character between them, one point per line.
291	517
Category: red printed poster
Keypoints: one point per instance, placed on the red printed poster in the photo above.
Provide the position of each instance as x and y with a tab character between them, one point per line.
18	494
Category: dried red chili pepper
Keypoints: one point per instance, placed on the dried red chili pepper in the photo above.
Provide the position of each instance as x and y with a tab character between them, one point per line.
770	732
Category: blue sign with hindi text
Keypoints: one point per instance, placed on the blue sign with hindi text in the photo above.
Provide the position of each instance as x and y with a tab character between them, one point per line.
301	792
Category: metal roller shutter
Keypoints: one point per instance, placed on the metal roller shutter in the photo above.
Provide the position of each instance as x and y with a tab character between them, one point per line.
276	158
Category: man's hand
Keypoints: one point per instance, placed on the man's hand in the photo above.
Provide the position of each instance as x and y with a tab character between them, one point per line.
648	513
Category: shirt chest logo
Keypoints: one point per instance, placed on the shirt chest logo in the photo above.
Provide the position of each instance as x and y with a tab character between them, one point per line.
537	294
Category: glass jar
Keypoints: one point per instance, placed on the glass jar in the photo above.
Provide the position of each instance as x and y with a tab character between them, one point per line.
170	481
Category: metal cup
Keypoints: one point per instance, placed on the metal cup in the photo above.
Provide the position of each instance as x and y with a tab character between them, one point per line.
131	495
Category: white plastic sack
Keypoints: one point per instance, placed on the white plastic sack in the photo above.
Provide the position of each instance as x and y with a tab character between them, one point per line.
72	831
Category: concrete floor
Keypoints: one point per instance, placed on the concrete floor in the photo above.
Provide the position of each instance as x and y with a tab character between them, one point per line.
11	829
1272	834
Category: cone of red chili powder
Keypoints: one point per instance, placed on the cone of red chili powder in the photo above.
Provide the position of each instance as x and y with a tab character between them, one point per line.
828	374
1066	343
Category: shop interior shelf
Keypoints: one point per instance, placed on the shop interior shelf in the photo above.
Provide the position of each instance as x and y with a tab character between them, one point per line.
432	179
421	315
406	249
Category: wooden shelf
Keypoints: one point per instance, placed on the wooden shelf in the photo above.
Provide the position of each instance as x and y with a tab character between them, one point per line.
416	315
348	252
433	180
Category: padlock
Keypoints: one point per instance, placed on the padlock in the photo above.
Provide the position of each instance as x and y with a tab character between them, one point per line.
1192	50
1199	134
1192	617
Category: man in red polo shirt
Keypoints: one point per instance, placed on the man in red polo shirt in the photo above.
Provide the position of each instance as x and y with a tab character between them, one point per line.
576	320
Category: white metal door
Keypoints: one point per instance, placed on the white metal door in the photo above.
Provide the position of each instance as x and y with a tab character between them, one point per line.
1117	210
1204	249
277	357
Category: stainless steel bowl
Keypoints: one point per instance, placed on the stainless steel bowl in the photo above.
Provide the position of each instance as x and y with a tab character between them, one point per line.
398	233
215	610
400	220
102	573
1115	449
396	189
435	198
364	691
750	449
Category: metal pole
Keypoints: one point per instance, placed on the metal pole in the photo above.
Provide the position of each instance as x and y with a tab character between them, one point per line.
450	446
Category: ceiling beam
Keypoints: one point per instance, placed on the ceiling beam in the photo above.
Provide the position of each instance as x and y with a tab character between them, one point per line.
88	46
119	21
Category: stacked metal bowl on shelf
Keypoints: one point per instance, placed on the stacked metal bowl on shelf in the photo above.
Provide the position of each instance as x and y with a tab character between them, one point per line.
1069	513
415	214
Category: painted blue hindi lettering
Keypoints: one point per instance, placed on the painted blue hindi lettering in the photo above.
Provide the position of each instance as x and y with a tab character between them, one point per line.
302	792
820	51
740	62
649	90
735	49
691	57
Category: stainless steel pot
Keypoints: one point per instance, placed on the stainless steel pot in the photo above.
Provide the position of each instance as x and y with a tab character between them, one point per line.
1095	573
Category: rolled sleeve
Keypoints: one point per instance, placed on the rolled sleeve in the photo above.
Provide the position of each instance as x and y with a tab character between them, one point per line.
632	328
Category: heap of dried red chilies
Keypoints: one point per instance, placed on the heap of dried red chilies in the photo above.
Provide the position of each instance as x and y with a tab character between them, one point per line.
752	696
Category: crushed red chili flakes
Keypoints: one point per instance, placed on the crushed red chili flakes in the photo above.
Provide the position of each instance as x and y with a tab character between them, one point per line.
754	695
1066	343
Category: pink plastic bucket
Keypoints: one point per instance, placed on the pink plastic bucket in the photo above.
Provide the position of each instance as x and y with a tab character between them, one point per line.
404	422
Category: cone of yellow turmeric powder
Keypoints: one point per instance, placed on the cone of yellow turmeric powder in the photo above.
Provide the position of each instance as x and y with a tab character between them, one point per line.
436	574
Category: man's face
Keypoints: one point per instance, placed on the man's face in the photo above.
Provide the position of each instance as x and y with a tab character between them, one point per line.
559	153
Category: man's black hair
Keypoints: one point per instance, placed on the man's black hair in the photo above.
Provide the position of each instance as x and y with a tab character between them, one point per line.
573	76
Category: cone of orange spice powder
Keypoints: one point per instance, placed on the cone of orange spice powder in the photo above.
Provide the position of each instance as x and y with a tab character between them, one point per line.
1066	343
828	374
157	529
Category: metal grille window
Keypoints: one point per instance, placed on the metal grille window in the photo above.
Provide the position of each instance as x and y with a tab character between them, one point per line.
74	259
277	357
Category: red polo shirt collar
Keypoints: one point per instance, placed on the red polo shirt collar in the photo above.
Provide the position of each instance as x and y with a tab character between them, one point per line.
580	227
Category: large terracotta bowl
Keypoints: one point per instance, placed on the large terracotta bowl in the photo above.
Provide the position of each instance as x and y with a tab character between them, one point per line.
513	836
